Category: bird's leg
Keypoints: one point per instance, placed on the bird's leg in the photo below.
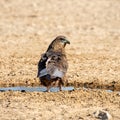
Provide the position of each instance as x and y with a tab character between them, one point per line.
60	87
48	89
60	84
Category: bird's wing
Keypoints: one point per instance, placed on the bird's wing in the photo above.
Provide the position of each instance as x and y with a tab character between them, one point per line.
56	65
42	66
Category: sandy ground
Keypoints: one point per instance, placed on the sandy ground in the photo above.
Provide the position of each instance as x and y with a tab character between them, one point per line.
26	29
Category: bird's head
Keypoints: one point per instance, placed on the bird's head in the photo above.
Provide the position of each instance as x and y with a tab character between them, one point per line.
62	40
59	43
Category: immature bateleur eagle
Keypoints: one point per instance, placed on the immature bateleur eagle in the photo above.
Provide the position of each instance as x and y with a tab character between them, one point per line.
53	65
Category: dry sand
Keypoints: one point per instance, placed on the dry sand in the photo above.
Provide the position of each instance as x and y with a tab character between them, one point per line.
26	29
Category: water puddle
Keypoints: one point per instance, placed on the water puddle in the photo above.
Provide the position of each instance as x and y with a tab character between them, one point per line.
43	89
37	89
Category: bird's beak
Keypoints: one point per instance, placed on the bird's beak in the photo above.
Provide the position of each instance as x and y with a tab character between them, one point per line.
67	42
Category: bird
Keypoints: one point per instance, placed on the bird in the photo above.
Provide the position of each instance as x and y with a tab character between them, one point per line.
53	64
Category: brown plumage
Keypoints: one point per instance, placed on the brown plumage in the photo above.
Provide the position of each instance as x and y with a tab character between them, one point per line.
53	65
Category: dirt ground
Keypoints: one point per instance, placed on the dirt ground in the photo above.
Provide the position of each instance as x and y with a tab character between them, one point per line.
26	29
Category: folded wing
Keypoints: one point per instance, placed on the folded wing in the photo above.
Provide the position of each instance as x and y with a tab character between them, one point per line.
42	66
56	65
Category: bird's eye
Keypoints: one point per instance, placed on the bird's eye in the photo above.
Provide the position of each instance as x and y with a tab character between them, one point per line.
62	39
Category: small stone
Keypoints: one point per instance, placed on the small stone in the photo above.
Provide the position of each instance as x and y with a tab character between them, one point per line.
102	115
118	94
23	91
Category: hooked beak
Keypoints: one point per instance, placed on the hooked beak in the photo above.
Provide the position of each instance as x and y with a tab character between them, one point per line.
66	41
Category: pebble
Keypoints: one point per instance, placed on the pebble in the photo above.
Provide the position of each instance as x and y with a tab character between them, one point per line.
102	115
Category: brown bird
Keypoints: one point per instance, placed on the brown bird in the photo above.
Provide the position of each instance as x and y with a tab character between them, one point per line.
53	65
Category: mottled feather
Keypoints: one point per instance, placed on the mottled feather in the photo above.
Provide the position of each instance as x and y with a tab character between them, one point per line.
53	65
